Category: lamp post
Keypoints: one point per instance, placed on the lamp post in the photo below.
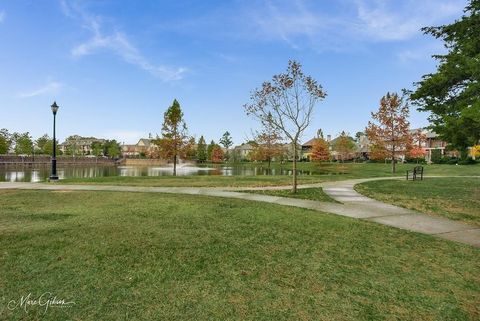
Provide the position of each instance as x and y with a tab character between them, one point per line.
54	176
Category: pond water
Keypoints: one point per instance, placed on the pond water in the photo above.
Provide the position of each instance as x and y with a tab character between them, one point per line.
38	174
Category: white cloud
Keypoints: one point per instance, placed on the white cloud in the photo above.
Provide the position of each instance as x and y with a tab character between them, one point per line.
306	23
51	88
394	20
116	42
2	16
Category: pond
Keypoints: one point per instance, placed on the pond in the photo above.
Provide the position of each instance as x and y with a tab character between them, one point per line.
38	174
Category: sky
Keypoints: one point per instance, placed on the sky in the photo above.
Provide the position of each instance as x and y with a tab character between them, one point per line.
114	67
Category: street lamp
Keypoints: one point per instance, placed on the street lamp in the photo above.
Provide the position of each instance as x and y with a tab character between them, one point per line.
54	176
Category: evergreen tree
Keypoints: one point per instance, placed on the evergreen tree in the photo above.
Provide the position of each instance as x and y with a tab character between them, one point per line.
226	141
201	150
452	94
210	150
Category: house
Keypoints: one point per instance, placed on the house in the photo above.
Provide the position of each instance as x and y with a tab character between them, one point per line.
243	151
78	145
430	142
144	147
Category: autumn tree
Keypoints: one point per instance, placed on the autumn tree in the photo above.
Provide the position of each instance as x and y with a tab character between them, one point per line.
217	154
174	141
320	150
417	153
344	146
201	150
268	142
389	132
287	102
190	150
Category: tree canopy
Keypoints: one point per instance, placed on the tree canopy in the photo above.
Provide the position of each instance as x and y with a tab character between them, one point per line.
389	132
287	102
452	93
174	142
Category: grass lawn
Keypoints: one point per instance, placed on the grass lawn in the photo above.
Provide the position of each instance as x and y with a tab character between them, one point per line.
315	194
321	173
454	198
132	256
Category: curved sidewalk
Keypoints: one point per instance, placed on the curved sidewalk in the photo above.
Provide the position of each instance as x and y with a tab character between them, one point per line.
353	205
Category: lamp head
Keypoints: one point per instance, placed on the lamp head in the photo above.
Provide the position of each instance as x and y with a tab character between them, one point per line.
54	107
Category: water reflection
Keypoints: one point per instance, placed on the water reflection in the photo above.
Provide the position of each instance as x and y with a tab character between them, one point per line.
38	174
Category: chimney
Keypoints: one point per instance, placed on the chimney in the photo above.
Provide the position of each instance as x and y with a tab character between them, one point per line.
329	138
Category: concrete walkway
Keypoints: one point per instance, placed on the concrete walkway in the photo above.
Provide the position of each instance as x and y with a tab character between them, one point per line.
352	205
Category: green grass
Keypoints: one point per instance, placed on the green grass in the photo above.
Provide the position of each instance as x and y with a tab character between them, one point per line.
315	194
131	256
454	198
325	172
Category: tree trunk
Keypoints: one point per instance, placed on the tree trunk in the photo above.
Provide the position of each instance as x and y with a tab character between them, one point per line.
269	161
393	160
175	165
294	187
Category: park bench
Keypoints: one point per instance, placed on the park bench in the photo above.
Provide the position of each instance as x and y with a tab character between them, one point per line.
416	173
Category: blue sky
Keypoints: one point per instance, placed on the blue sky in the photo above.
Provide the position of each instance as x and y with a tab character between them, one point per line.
115	66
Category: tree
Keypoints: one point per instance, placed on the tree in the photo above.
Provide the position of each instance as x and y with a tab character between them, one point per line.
201	150
358	135
320	150
452	94
344	146
226	142
475	152
190	151
217	154
287	102
390	137
210	148
45	145
97	148
436	156
417	153
111	148
268	142
5	141
23	143
174	141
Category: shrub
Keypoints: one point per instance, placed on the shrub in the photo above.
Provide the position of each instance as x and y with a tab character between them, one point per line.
436	156
467	161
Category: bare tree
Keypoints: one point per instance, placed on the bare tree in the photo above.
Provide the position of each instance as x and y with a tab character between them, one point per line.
290	99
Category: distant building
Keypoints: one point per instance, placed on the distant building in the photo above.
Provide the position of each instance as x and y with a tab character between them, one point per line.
432	141
78	145
243	151
144	147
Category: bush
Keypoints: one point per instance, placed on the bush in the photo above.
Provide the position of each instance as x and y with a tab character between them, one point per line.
436	156
467	161
451	160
